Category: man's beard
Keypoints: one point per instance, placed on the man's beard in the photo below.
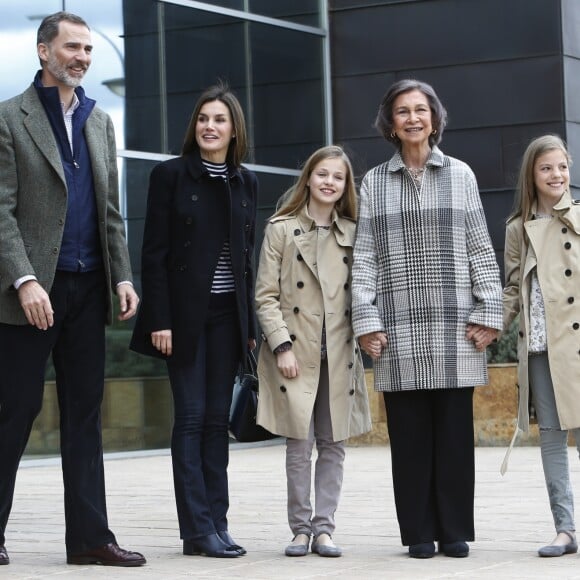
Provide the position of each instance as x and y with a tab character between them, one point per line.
61	73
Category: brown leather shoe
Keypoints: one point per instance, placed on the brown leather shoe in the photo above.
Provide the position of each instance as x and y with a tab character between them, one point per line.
4	559
108	555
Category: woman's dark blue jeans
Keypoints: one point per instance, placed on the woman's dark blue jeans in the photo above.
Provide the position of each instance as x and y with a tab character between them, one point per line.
202	394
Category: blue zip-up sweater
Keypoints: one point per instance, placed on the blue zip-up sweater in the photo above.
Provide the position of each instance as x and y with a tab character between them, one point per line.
80	248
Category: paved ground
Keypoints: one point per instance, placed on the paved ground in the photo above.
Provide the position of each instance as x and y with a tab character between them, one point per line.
512	521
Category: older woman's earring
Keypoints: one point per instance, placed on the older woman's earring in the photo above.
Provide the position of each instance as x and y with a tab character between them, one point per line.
434	132
393	135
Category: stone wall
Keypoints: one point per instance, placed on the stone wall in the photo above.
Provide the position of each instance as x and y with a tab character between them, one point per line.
137	414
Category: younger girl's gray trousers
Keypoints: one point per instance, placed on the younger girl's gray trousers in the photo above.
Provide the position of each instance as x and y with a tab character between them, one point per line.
553	443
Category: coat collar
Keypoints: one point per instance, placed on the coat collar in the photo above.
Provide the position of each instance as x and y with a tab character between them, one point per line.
308	224
435	159
567	210
198	170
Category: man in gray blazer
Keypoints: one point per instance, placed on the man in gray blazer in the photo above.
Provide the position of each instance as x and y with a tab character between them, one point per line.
62	256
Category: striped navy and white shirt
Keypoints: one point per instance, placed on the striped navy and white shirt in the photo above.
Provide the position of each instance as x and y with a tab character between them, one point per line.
223	277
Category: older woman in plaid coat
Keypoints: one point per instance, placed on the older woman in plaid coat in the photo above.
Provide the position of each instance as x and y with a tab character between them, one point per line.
426	303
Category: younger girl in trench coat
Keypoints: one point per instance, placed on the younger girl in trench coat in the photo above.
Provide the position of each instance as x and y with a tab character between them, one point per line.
311	376
542	265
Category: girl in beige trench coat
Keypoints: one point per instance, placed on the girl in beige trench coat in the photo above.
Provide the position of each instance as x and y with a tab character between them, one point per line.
542	265
311	376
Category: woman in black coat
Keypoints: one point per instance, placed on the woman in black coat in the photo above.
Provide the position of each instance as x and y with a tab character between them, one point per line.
197	310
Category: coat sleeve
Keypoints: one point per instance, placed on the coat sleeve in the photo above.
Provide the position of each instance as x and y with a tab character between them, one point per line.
512	263
483	268
365	312
155	253
14	262
274	327
116	241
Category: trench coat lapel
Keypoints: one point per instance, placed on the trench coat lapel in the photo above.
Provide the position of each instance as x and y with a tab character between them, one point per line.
306	242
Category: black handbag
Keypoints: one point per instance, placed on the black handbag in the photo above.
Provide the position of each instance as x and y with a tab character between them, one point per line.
244	407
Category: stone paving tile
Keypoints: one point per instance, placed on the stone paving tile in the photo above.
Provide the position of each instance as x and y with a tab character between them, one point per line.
512	521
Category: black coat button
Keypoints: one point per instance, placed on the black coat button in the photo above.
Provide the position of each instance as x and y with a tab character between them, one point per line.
568	272
350	365
247	226
521	334
300	284
571	300
347	312
348	341
297	232
576	326
345	259
346	286
299	257
244	203
188	221
564	230
296	310
567	245
283	388
351	392
194	197
292	337
187	244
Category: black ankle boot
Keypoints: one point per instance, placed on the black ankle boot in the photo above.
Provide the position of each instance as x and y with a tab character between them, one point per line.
210	545
230	543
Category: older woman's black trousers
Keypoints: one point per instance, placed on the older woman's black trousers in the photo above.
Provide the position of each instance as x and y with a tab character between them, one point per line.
431	434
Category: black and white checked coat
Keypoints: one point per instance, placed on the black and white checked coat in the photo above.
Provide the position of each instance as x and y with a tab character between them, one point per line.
424	267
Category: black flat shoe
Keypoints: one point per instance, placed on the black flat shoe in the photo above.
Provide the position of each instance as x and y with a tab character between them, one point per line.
424	550
225	537
455	549
210	545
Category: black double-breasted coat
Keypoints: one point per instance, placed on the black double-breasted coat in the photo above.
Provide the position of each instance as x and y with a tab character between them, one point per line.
189	216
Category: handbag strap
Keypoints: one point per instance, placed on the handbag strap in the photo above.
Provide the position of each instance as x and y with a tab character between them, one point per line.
251	365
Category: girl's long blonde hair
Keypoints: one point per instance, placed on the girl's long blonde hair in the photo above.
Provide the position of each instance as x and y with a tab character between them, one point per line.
526	188
295	198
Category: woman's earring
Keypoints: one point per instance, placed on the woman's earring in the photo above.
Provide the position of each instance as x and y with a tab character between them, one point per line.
434	132
393	135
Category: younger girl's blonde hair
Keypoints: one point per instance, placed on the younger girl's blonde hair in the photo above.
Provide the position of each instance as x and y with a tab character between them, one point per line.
295	198
526	188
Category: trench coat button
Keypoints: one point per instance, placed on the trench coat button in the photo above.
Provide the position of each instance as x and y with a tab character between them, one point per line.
568	272
296	310
296	232
300	284
521	334
345	259
571	300
292	337
351	392
347	312
188	221
350	365
567	245
299	257
194	197
564	230
348	341
576	326
244	203
283	388
346	286
187	244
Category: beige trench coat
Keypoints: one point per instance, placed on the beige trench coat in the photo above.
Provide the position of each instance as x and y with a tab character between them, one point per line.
554	248
302	282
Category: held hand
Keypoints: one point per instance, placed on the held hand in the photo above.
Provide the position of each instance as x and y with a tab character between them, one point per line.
373	343
162	341
287	364
36	304
128	301
482	336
